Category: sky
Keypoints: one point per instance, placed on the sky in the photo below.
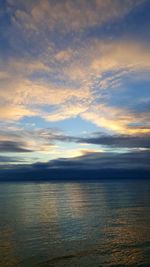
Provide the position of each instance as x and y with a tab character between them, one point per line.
75	84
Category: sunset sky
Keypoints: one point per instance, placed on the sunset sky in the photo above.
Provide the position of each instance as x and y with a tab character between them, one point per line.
75	83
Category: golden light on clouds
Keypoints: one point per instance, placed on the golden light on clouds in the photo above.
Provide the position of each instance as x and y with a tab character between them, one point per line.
73	66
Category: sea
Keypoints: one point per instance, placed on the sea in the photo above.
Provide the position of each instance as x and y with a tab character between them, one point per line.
75	224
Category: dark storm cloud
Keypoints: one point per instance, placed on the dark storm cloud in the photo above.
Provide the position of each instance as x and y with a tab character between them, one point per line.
12	146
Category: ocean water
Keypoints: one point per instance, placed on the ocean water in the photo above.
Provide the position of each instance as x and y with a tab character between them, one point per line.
87	224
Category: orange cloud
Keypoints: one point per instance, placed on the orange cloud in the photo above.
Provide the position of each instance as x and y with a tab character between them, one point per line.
21	96
114	119
14	112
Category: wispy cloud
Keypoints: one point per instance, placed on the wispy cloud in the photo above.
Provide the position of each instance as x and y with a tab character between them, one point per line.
116	119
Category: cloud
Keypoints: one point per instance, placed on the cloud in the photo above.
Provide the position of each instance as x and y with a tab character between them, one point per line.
105	63
27	98
37	141
141	107
74	78
68	59
52	143
70	15
12	146
95	161
115	119
14	112
123	54
23	67
91	165
104	66
9	160
69	109
141	141
128	141
3	75
21	96
64	55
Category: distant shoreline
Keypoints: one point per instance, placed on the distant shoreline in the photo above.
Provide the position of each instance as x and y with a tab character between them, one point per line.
72	175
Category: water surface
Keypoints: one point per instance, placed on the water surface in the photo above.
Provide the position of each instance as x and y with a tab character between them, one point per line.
75	224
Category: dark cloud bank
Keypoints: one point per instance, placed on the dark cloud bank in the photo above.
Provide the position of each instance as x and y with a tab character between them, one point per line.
12	146
128	141
118	141
133	165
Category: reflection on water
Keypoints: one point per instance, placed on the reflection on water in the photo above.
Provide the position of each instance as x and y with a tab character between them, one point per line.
75	224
